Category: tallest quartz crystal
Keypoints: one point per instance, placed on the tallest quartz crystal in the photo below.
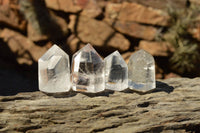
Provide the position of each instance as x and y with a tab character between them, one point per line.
87	71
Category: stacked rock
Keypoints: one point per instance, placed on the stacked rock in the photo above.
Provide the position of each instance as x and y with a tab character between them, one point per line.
90	73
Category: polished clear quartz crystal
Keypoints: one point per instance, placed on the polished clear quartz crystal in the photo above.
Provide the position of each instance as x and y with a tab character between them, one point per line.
54	71
87	71
141	71
116	72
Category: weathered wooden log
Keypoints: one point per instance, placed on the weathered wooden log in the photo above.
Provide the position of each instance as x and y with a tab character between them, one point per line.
173	106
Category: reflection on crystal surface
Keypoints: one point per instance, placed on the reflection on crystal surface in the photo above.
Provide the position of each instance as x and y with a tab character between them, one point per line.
141	71
54	71
87	70
116	72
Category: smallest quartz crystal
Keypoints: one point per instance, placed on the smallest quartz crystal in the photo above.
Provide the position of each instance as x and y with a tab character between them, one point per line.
116	72
141	71
54	71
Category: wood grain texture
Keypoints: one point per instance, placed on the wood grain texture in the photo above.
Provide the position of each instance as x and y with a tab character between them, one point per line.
173	106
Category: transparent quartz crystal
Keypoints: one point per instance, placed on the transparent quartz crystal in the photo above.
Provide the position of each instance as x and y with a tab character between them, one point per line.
87	71
116	72
141	71
54	71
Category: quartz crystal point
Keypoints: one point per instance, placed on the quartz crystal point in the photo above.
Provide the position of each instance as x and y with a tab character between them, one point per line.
54	71
116	72
87	71
141	71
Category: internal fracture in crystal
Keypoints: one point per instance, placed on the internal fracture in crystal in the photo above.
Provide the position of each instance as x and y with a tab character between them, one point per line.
141	71
87	71
116	72
54	71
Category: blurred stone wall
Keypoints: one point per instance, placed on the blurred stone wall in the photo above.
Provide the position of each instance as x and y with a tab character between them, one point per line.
28	29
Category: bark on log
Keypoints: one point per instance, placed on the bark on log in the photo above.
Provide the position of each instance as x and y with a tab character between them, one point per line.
173	106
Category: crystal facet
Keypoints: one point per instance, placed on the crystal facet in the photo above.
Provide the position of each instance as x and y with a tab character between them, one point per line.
116	72
54	71
141	71
87	71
